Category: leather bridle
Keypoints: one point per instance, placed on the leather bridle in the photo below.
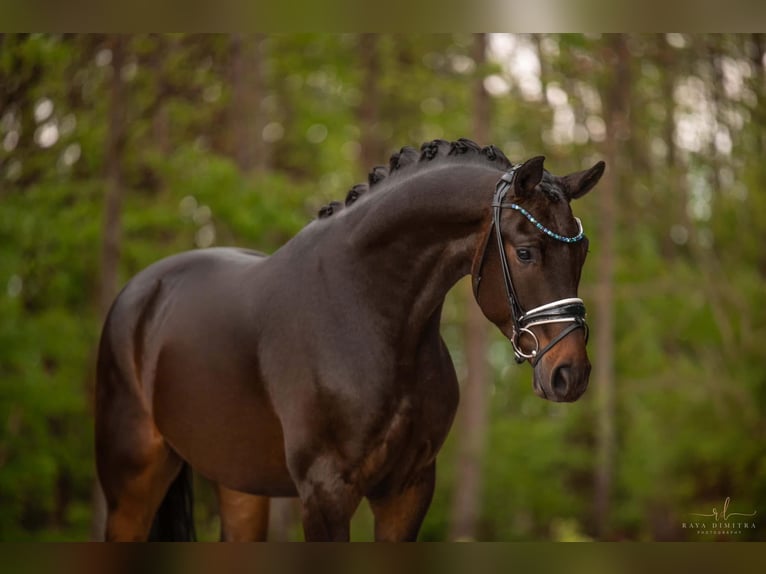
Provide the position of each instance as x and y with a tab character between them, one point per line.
570	310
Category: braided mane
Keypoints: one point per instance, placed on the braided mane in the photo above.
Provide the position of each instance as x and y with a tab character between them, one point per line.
408	156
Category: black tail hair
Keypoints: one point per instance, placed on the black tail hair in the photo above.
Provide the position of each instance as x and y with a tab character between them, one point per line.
174	520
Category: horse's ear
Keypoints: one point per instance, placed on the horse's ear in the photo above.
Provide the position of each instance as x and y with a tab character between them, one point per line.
578	184
528	176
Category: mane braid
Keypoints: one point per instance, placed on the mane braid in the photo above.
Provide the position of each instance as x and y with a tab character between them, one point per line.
378	174
463	146
404	157
329	209
356	192
407	156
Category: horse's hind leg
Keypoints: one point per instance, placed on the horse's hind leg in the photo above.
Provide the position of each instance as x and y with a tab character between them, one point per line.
244	517
398	516
136	468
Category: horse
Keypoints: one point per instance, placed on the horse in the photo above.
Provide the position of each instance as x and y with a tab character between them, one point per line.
319	371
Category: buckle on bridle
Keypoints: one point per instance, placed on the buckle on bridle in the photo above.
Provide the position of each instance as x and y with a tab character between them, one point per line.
518	354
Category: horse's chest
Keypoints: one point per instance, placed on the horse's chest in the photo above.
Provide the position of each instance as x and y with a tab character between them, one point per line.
414	433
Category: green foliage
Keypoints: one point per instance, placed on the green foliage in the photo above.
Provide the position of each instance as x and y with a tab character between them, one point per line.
688	275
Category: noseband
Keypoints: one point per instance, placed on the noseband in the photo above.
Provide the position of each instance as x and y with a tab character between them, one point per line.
569	310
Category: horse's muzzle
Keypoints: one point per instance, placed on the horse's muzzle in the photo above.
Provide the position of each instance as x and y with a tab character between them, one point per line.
566	382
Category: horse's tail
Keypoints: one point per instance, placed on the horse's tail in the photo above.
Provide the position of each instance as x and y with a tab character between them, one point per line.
174	520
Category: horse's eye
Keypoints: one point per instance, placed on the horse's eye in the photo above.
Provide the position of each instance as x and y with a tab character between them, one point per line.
524	254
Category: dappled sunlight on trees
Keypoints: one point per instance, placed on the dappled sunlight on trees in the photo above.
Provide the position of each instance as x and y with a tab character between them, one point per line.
115	152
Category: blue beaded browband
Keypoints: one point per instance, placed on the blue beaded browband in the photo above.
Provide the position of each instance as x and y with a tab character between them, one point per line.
544	229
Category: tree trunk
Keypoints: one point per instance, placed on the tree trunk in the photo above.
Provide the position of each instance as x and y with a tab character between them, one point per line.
757	55
112	228
368	111
246	121
466	503
672	205
617	103
160	116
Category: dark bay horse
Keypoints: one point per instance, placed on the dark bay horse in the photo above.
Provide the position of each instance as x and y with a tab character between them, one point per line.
319	371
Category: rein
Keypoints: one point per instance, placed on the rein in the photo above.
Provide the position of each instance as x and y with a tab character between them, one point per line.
569	310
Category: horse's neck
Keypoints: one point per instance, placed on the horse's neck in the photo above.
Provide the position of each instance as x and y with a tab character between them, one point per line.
433	200
414	241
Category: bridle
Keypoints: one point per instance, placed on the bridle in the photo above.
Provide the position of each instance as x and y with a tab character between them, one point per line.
569	310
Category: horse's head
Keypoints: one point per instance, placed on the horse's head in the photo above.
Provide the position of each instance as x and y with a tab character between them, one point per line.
527	269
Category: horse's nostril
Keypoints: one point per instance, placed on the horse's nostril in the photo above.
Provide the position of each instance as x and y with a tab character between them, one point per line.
561	379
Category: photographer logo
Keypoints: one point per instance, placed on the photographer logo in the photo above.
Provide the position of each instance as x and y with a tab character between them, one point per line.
722	521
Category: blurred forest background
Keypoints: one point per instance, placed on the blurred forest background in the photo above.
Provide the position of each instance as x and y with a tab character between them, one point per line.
116	151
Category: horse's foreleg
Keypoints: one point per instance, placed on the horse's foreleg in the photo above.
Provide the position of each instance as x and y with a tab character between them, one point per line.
244	517
328	501
398	516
